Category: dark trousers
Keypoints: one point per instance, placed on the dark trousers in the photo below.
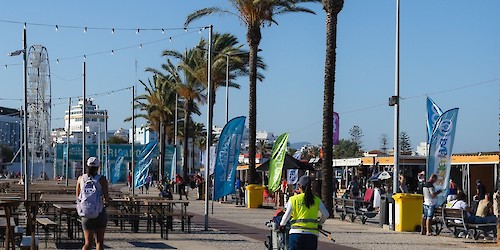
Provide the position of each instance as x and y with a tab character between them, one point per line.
302	242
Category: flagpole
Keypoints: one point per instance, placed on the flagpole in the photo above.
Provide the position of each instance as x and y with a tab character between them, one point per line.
427	142
133	141
84	130
173	171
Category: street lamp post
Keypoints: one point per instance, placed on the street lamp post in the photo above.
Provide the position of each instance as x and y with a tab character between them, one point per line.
24	51
396	107
68	134
227	87
209	125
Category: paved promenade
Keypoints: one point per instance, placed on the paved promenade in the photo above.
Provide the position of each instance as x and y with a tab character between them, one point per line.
236	227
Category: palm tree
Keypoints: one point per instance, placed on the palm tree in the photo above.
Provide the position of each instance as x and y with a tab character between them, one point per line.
194	68
332	9
191	91
254	14
262	147
159	105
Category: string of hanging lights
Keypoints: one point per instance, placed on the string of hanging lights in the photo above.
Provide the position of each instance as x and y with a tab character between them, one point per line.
113	30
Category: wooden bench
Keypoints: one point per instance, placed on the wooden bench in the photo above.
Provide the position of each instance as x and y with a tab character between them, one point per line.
437	221
184	217
47	224
454	220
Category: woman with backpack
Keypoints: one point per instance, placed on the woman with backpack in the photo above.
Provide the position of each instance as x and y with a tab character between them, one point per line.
92	198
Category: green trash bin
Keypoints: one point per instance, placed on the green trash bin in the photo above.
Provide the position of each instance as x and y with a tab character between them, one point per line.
255	195
408	211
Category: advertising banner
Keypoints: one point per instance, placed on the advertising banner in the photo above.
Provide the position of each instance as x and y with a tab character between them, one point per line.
276	162
433	113
440	150
226	160
336	128
142	166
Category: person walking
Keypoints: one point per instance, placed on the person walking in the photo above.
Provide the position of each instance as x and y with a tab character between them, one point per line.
199	186
96	225
129	181
147	183
181	185
430	201
237	188
303	210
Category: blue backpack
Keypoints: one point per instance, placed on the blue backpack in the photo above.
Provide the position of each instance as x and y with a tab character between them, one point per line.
89	203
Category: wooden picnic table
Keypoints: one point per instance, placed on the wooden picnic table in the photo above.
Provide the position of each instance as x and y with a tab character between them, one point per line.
69	211
167	206
8	205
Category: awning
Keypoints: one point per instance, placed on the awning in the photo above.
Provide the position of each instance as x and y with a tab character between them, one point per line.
290	163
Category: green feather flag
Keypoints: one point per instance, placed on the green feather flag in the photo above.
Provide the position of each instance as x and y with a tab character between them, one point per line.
276	162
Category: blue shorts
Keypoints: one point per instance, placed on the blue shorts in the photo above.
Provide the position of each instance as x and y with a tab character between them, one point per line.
429	211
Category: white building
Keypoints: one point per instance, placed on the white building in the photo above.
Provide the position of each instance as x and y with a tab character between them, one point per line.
422	149
143	135
95	122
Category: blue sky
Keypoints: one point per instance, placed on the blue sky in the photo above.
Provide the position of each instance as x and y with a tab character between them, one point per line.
449	51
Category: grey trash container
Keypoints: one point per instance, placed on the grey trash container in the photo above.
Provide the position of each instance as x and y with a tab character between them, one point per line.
385	200
384	210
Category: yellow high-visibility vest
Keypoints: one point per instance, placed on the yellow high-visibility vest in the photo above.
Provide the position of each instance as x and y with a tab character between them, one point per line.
302	217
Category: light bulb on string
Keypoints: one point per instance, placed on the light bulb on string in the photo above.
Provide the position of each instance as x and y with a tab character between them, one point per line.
57	27
185	30
200	31
137	32
84	57
5	66
170	39
112	30
85	30
162	31
112	52
140	46
57	60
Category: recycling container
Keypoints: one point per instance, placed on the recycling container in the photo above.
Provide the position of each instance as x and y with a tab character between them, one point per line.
408	211
255	195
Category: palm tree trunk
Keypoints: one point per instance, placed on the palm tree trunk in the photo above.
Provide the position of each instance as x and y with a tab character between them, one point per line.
185	148
332	8
253	39
161	163
192	156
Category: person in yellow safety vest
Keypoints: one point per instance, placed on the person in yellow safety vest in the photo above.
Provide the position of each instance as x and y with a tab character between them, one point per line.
303	209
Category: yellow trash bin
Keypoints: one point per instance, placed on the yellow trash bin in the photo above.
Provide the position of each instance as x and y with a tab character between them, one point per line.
408	211
255	195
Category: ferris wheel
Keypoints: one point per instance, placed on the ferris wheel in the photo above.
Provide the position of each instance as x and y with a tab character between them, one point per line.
39	103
